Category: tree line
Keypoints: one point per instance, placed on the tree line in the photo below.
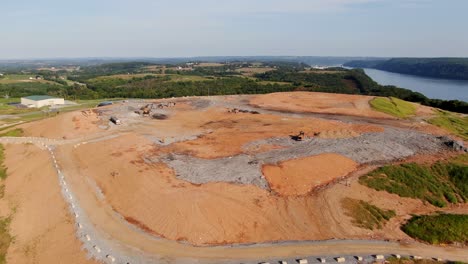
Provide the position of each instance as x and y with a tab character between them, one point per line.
221	82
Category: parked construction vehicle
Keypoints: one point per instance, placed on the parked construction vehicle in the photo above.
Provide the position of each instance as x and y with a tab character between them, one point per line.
147	109
115	120
298	137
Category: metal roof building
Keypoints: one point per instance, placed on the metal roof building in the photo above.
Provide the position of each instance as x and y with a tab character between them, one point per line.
39	101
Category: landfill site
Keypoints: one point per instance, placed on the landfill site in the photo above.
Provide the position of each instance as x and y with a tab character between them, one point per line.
221	179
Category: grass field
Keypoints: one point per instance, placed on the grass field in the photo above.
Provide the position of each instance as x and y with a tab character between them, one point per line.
439	184
366	215
17	132
254	70
438	229
21	78
393	106
187	78
452	122
6	109
5	238
34	114
3	173
124	76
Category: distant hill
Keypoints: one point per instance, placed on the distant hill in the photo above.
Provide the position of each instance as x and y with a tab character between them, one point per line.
8	65
445	68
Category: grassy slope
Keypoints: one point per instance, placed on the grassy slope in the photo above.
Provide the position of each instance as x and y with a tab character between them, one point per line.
366	215
5	238
22	78
17	132
393	106
438	184
37	114
452	122
438	229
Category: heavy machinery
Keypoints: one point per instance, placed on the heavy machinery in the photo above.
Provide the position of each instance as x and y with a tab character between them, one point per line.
115	120
146	110
298	137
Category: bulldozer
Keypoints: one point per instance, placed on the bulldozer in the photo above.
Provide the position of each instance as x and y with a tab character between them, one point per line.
146	110
298	137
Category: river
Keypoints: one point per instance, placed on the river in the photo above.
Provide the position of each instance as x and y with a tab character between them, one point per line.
432	88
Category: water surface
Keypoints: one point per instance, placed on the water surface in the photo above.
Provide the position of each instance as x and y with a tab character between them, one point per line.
432	88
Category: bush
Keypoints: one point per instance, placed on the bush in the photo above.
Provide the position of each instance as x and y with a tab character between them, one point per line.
438	229
366	215
451	122
438	184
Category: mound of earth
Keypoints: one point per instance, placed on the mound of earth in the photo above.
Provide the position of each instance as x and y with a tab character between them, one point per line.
64	126
325	103
41	224
207	176
228	133
300	176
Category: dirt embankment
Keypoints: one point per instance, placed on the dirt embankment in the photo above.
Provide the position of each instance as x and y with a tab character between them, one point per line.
215	213
42	228
150	195
300	176
228	133
63	126
325	103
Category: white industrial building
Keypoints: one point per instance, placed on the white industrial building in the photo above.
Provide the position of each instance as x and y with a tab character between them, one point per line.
39	101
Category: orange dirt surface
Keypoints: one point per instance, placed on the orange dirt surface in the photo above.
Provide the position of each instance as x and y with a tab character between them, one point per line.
230	132
325	103
63	126
300	176
41	225
149	196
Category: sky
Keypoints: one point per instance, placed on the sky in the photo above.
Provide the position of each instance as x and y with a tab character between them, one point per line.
186	28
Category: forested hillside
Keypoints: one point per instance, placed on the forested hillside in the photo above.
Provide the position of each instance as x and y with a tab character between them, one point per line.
146	80
446	68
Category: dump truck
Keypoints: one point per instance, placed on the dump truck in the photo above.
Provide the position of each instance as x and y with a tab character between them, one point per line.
115	120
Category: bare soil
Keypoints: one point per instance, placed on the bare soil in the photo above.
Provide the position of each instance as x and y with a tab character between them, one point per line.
325	103
41	225
64	126
196	177
300	176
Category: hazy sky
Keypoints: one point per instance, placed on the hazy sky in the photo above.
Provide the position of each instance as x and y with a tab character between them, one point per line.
156	28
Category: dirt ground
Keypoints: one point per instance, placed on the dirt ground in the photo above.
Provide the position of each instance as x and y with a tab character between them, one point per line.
300	176
41	225
140	191
325	103
125	169
228	133
63	126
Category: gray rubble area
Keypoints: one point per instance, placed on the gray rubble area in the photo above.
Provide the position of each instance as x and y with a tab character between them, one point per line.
369	148
234	169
